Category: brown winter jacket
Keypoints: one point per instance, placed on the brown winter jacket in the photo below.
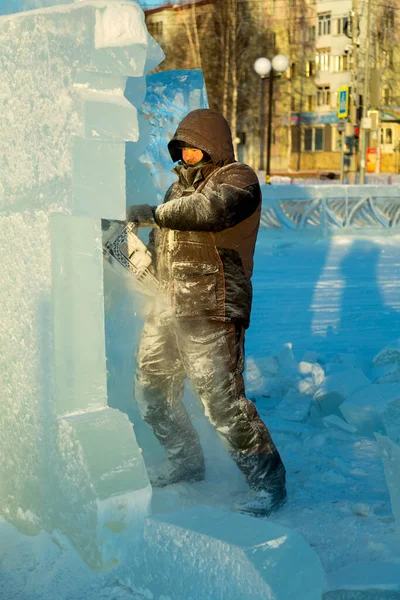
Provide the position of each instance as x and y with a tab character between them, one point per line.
208	226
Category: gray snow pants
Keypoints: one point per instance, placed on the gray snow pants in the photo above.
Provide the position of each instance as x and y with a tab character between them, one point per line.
211	354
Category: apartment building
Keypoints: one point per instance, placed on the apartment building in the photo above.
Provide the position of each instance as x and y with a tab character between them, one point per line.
316	139
318	143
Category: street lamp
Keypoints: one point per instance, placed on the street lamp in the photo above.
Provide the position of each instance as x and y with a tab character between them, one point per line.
264	67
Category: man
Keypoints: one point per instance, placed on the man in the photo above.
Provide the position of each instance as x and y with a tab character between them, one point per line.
203	247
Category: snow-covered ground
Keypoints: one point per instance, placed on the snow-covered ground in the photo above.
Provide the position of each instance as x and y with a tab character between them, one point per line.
337	303
339	298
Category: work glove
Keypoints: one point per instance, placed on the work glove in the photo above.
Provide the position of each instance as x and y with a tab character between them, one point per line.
142	215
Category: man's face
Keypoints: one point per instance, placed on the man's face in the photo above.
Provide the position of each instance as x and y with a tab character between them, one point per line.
191	156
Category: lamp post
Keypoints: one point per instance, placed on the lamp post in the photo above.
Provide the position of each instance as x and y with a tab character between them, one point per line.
264	67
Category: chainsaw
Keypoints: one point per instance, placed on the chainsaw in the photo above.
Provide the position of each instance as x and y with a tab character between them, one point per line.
126	252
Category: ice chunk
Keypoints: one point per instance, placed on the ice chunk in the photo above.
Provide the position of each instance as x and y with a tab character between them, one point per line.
364	580
337	387
288	366
389	373
305	386
318	374
366	408
79	360
348	360
390	453
255	382
335	422
170	96
226	555
14	6
119	25
148	165
67	147
270	366
294	406
390	354
305	368
109	450
391	419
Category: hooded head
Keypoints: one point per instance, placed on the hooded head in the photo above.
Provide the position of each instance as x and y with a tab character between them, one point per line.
207	130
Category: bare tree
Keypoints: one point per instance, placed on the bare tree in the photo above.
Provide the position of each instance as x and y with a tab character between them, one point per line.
223	38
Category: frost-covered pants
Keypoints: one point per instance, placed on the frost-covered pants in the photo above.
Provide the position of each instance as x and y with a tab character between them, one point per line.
211	354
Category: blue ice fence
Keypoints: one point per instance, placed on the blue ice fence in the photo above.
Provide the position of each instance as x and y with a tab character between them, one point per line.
330	207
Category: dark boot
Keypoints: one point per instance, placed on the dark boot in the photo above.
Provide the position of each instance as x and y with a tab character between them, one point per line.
177	471
262	503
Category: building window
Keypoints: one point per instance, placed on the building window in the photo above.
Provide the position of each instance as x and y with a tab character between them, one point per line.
340	25
156	28
310	102
387	135
339	63
388	22
313	139
388	58
310	68
387	97
324	24
319	139
322	60
311	33
308	139
323	95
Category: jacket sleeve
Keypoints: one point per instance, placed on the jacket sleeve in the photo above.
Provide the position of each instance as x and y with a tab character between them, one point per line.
219	206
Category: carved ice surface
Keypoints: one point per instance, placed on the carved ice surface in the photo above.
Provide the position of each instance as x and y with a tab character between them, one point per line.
169	97
69	462
227	555
390	453
335	388
375	408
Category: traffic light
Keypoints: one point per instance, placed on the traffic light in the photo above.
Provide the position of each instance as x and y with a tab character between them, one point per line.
350	140
356	136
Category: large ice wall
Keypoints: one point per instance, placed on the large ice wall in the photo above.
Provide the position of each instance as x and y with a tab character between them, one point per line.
70	464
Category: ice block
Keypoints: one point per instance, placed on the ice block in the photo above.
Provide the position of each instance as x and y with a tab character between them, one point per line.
170	96
220	554
390	453
70	463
